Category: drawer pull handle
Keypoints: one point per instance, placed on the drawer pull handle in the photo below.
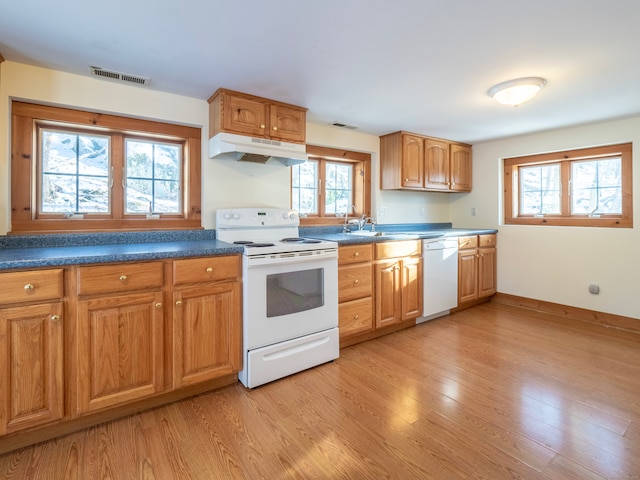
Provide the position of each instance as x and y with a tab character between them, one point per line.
209	269
356	316
28	287
123	278
179	302
158	305
55	318
356	281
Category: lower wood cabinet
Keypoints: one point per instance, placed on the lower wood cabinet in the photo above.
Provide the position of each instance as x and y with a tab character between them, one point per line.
134	334
120	349
477	266
207	321
355	290
31	366
32	325
398	282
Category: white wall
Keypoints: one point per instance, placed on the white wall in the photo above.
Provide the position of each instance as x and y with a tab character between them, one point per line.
556	264
225	183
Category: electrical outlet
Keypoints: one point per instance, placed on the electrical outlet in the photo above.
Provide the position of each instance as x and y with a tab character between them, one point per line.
473	211
594	289
383	211
422	211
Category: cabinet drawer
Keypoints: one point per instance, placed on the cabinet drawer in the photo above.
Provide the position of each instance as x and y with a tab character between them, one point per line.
468	242
122	277
355	281
488	240
407	248
36	285
355	253
355	317
211	269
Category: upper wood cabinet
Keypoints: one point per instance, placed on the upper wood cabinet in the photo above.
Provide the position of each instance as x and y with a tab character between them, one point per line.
415	162
243	114
31	349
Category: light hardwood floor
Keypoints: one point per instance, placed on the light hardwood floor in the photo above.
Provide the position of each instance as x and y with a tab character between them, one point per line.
494	392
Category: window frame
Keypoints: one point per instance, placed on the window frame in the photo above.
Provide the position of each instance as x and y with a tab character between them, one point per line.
565	159
361	183
26	121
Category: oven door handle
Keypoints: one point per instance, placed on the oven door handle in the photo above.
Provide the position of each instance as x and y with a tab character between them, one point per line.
257	261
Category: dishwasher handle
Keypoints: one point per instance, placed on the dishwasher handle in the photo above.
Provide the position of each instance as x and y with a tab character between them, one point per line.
440	244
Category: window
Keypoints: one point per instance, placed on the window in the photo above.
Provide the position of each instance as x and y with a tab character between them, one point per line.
79	171
331	183
586	187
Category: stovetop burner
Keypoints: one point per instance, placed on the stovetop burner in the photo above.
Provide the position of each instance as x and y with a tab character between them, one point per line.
249	243
299	240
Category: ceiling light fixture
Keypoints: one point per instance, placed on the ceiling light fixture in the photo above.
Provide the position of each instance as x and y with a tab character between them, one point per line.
516	92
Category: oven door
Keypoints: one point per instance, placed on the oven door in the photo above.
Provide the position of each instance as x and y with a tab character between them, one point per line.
289	295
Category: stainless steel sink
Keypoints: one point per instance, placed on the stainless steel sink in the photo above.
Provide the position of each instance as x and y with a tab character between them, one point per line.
390	235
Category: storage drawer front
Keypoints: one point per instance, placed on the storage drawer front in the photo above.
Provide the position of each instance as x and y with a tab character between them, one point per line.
123	277
355	253
406	248
355	282
468	242
211	269
36	285
355	317
488	240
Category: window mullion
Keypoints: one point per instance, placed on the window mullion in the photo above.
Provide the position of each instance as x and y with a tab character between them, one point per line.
117	163
565	188
321	184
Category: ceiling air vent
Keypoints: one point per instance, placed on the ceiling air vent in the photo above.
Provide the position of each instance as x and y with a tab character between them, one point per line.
119	77
343	125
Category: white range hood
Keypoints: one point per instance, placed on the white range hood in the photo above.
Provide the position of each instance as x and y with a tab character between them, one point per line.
230	146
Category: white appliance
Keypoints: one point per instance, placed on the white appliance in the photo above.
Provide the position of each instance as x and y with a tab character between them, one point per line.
440	277
290	293
230	146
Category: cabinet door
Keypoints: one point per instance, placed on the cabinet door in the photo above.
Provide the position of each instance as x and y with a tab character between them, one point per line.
436	175
120	349
460	168
467	275
207	332
412	161
245	116
31	368
388	293
486	272
411	287
287	124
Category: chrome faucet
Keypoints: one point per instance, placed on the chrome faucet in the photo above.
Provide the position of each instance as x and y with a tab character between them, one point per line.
345	229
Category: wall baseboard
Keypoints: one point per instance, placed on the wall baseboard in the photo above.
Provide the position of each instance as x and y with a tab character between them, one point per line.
607	320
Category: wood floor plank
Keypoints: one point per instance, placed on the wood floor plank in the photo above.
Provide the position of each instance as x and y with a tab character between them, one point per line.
493	392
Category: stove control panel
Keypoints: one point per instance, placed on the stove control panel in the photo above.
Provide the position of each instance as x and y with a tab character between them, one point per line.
256	218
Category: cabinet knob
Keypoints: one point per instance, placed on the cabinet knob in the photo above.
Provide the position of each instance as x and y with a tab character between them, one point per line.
28	287
158	305
55	318
356	281
406	179
209	269
356	316
275	128
123	278
357	254
262	125
178	302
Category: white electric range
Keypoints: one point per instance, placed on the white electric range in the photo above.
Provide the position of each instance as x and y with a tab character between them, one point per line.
290	293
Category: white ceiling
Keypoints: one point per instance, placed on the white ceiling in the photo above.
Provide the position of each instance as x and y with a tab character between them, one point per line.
380	65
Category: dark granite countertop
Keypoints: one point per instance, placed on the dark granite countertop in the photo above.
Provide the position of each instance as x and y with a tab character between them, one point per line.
392	232
50	250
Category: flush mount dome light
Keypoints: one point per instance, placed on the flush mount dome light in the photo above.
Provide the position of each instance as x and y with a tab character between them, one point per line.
516	92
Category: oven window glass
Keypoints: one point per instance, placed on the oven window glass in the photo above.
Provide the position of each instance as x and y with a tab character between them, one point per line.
293	292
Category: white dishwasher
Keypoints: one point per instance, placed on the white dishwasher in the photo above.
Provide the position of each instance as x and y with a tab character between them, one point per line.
440	282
